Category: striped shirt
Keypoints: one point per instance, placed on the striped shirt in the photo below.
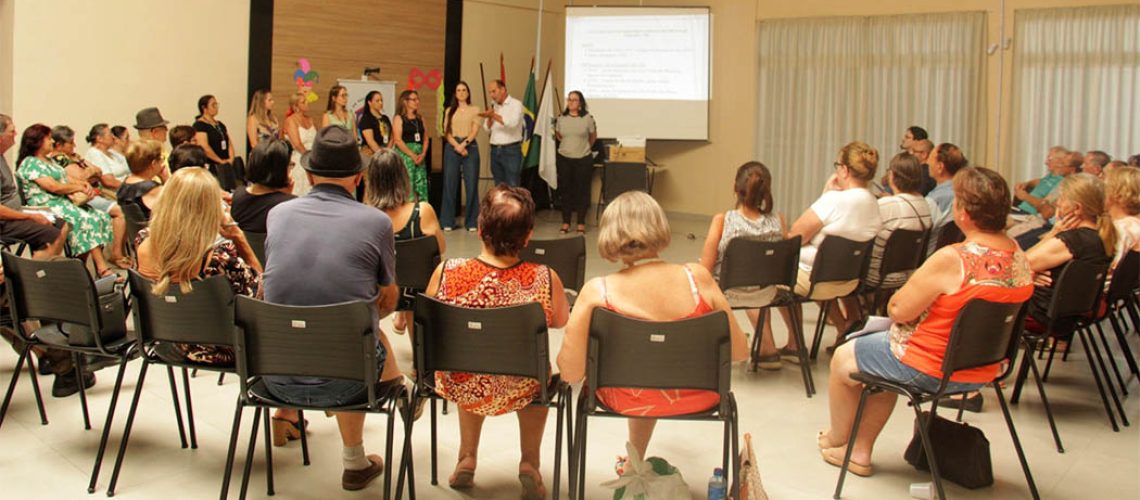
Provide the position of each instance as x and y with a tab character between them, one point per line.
902	211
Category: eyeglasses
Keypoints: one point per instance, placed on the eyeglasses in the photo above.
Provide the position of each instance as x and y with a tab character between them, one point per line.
837	165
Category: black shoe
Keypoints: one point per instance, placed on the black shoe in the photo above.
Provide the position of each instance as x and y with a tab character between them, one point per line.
94	363
972	403
45	368
65	385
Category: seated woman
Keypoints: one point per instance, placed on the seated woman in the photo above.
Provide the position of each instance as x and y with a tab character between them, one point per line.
496	278
752	218
1080	233
269	184
987	265
144	158
389	189
1122	202
846	209
187	155
191	238
77	168
634	231
46	184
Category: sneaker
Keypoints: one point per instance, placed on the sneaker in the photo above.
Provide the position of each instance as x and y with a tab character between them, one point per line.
448	229
353	480
66	385
770	361
472	229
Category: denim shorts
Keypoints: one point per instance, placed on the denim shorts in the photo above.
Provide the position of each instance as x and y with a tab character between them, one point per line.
326	393
873	356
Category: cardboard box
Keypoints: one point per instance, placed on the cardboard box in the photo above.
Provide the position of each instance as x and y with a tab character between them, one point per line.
627	154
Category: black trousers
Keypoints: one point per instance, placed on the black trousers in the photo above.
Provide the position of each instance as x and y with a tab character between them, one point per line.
574	179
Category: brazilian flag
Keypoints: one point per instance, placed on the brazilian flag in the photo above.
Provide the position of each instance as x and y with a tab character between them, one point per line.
530	107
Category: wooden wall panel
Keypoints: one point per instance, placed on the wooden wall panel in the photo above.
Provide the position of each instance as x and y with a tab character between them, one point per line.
341	37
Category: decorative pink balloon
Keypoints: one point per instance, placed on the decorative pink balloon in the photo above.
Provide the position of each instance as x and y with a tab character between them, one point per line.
304	64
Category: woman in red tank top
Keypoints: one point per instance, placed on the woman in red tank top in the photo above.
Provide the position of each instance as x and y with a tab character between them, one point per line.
634	231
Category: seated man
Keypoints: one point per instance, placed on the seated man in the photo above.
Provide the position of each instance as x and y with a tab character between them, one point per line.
1032	193
46	238
327	248
943	162
1095	163
1027	228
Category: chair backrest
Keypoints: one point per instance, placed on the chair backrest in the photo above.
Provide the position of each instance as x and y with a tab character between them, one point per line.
984	333
840	259
500	341
693	353
335	341
1076	289
227	174
203	316
903	251
565	256
257	244
135	219
749	261
620	177
416	260
949	234
1125	277
52	290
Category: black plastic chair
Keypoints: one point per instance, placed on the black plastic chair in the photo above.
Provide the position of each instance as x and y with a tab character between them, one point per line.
136	221
205	316
565	256
416	260
903	252
837	260
750	262
61	294
496	341
949	234
984	333
619	177
1117	298
631	353
1075	291
335	342
257	244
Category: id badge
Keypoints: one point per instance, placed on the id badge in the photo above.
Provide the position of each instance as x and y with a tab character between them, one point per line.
417	137
225	147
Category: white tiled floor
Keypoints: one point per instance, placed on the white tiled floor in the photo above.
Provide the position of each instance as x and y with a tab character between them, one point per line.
55	461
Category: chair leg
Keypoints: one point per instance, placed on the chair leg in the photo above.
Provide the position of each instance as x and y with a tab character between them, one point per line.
757	338
304	438
735	470
724	447
1016	441
221	377
392	412
177	406
1049	363
189	409
1100	368
851	443
581	454
249	452
35	390
127	430
819	325
15	378
1023	371
1120	339
1111	360
924	432
107	424
445	407
1045	403
77	361
406	466
434	464
268	454
559	415
798	331
231	450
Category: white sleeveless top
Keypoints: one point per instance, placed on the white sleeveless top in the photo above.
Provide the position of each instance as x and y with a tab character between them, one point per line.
300	181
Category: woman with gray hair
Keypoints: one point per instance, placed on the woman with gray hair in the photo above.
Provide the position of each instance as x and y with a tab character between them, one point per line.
389	189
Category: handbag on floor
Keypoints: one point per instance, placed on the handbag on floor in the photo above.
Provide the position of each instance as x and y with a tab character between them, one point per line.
649	479
749	475
962	452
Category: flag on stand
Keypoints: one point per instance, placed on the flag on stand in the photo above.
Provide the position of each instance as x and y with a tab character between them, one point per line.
542	149
440	106
530	105
502	69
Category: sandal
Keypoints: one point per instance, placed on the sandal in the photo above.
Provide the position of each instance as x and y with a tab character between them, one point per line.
581	229
822	442
564	229
285	431
834	456
463	477
105	272
533	489
790	355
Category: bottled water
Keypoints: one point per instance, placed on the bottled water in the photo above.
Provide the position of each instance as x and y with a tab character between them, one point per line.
718	487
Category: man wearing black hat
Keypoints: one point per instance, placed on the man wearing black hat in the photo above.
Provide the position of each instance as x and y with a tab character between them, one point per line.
326	248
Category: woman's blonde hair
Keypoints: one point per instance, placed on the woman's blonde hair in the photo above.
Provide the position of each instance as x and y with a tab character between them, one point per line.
861	160
1087	192
633	227
295	100
184	226
1122	188
258	110
141	154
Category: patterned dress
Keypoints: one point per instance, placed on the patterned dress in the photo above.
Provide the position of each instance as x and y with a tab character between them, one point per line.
244	280
476	284
89	228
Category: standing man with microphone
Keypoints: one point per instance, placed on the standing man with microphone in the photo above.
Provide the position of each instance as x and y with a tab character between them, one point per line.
504	120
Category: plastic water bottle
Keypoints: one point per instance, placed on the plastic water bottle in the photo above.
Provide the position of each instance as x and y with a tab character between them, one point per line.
718	487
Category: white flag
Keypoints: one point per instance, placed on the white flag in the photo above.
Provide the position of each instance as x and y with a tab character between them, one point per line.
544	129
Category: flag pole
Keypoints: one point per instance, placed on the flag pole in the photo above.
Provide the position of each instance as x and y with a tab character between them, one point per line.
538	37
483	83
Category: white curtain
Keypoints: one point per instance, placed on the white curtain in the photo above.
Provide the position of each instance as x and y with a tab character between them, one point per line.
1076	83
824	82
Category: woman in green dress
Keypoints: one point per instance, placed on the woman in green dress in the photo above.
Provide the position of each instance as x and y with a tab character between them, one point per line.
410	139
46	184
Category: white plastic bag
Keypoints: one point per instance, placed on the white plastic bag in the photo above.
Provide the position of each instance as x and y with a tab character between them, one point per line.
652	479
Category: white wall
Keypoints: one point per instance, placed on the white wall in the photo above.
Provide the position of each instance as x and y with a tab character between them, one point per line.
79	62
